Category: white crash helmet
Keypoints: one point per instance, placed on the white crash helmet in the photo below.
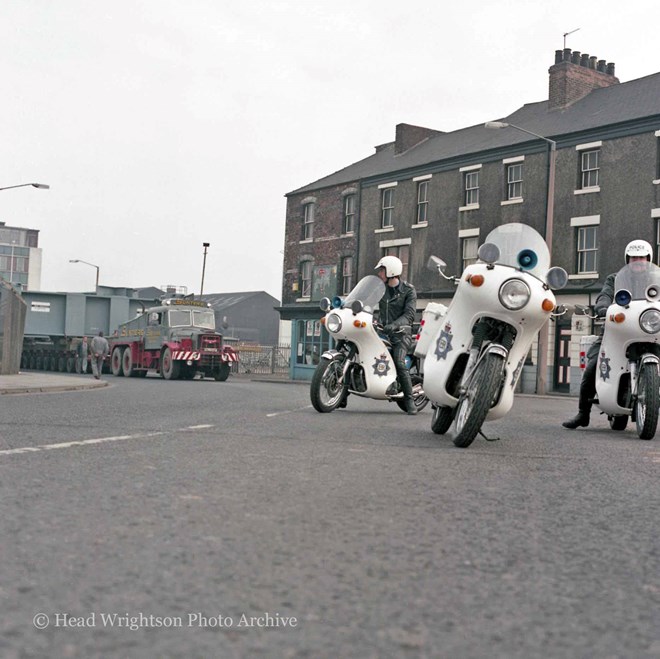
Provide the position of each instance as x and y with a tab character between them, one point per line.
639	248
392	264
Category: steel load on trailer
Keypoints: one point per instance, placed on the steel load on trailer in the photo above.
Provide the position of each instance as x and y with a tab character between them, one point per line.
176	339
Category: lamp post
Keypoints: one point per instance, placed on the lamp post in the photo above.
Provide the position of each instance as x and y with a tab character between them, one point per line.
93	266
201	288
41	186
543	341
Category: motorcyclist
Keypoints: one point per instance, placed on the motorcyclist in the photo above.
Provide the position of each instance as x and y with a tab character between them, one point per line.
397	313
636	250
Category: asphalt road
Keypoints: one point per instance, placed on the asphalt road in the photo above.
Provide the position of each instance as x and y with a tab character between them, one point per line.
204	519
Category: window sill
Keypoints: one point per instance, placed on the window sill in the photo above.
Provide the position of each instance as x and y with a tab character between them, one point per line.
509	202
347	235
384	230
306	241
419	225
303	299
470	207
585	275
596	188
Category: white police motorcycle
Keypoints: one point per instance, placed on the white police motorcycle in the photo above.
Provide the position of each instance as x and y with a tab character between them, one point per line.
477	352
361	363
628	368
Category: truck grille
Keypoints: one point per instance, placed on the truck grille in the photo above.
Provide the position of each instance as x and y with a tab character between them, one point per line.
210	343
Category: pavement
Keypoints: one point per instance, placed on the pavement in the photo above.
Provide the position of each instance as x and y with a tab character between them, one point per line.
36	382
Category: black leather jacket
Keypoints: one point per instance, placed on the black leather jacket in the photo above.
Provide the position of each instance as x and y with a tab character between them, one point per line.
398	306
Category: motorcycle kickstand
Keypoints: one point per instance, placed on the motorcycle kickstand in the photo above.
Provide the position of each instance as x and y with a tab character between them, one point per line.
489	439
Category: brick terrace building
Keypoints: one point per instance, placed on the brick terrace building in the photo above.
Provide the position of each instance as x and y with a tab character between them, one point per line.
430	192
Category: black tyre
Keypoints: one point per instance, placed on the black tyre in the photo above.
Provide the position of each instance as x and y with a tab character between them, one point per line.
116	361
442	419
326	392
648	401
222	373
419	397
169	368
127	363
474	404
618	422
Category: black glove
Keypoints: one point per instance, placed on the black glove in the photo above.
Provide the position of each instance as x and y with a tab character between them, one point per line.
388	329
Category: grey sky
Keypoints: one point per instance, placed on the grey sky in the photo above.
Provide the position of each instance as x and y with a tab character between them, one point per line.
161	125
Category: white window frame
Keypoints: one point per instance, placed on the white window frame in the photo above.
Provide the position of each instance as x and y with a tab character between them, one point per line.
349	214
471	188
387	207
469	242
308	222
306	269
422	203
584	252
514	186
347	274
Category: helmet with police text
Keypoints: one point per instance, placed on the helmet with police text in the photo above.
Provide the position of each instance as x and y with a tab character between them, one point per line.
639	248
392	264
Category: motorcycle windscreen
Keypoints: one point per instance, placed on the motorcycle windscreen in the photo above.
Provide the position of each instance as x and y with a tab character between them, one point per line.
522	247
369	290
639	278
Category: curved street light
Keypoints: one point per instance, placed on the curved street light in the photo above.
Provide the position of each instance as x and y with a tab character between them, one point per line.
93	266
541	385
41	186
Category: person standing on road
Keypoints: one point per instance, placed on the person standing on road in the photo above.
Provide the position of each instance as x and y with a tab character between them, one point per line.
99	349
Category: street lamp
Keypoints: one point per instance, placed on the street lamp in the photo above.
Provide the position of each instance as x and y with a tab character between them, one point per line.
201	288
541	384
41	186
93	266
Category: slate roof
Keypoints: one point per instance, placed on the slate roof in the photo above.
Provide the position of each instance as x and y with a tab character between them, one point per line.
607	106
225	300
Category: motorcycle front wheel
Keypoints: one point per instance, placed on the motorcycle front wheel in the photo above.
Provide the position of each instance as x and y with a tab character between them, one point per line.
648	400
474	404
326	391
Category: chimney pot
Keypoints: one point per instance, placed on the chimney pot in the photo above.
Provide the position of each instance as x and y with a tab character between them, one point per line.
575	58
610	68
584	60
567	54
601	65
592	62
558	56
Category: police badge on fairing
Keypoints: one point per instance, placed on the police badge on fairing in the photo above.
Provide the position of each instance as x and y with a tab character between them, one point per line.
443	346
381	366
604	367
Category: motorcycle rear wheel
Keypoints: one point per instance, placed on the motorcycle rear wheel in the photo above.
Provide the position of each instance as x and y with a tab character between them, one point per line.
325	391
474	404
648	401
442	419
618	422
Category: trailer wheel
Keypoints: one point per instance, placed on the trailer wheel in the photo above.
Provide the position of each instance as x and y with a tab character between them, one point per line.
127	363
116	361
169	368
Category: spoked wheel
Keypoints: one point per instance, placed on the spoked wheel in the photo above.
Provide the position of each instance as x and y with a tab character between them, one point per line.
442	419
326	390
477	400
618	422
116	362
648	400
169	368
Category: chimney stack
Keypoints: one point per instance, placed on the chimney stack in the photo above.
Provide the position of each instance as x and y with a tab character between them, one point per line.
408	136
574	75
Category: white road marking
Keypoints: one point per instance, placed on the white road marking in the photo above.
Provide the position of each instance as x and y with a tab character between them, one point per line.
299	409
200	427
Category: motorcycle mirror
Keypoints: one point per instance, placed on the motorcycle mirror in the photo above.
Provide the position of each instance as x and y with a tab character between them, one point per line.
556	278
325	304
488	253
436	264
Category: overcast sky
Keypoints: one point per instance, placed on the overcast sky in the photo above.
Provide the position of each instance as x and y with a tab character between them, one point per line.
160	125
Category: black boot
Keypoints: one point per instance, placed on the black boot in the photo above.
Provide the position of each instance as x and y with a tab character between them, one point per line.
410	405
581	420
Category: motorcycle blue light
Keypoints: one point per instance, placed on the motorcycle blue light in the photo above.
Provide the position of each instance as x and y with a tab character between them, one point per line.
527	259
623	297
337	302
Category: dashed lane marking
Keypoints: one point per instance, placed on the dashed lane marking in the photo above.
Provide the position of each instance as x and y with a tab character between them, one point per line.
298	409
98	440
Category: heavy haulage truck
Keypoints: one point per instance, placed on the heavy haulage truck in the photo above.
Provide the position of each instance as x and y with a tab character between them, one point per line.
177	339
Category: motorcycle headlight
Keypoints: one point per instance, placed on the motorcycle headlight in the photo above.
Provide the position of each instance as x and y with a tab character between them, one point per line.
514	294
333	323
649	321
